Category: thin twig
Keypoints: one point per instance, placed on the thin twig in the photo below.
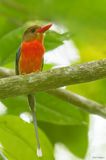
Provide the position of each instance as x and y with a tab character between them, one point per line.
81	102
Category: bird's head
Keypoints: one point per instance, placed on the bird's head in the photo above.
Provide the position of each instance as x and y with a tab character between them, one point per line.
35	33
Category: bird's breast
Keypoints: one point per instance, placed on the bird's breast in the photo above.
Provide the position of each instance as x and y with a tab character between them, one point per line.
31	57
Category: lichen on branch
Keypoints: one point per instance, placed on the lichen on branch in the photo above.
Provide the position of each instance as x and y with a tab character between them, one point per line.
54	78
49	80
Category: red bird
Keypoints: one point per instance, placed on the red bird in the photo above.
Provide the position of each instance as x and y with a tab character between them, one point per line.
29	58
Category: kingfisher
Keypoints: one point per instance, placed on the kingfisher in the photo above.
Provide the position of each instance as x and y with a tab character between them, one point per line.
29	59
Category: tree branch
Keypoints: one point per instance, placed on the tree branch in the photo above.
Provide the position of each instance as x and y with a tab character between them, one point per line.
81	102
43	81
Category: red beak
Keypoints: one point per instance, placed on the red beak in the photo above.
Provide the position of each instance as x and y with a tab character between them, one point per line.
44	28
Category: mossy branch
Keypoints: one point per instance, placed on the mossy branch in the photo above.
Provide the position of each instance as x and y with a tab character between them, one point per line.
17	85
54	78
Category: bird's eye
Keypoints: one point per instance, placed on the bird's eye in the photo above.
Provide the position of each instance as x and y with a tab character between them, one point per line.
33	30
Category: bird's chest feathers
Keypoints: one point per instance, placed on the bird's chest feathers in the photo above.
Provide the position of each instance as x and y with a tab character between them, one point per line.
31	56
32	49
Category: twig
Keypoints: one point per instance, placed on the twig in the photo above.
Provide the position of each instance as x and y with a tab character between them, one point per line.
81	102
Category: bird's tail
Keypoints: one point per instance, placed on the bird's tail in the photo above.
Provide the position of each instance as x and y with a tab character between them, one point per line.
32	105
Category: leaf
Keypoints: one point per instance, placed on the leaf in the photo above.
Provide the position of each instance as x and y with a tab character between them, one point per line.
1	157
18	140
9	45
58	111
75	138
49	109
54	39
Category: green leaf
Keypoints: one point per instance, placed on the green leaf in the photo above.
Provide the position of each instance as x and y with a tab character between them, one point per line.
49	109
75	138
58	111
54	39
1	157
9	45
17	140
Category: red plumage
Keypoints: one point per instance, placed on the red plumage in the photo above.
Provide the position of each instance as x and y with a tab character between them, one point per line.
31	56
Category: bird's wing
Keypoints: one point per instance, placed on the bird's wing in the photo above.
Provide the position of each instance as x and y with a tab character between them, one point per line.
17	61
42	64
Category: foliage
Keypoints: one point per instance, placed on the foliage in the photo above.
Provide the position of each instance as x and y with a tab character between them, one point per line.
85	22
20	136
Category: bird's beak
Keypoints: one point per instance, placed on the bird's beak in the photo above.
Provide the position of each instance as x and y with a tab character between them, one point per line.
44	28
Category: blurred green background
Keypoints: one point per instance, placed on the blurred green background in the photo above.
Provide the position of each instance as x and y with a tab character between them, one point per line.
84	23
